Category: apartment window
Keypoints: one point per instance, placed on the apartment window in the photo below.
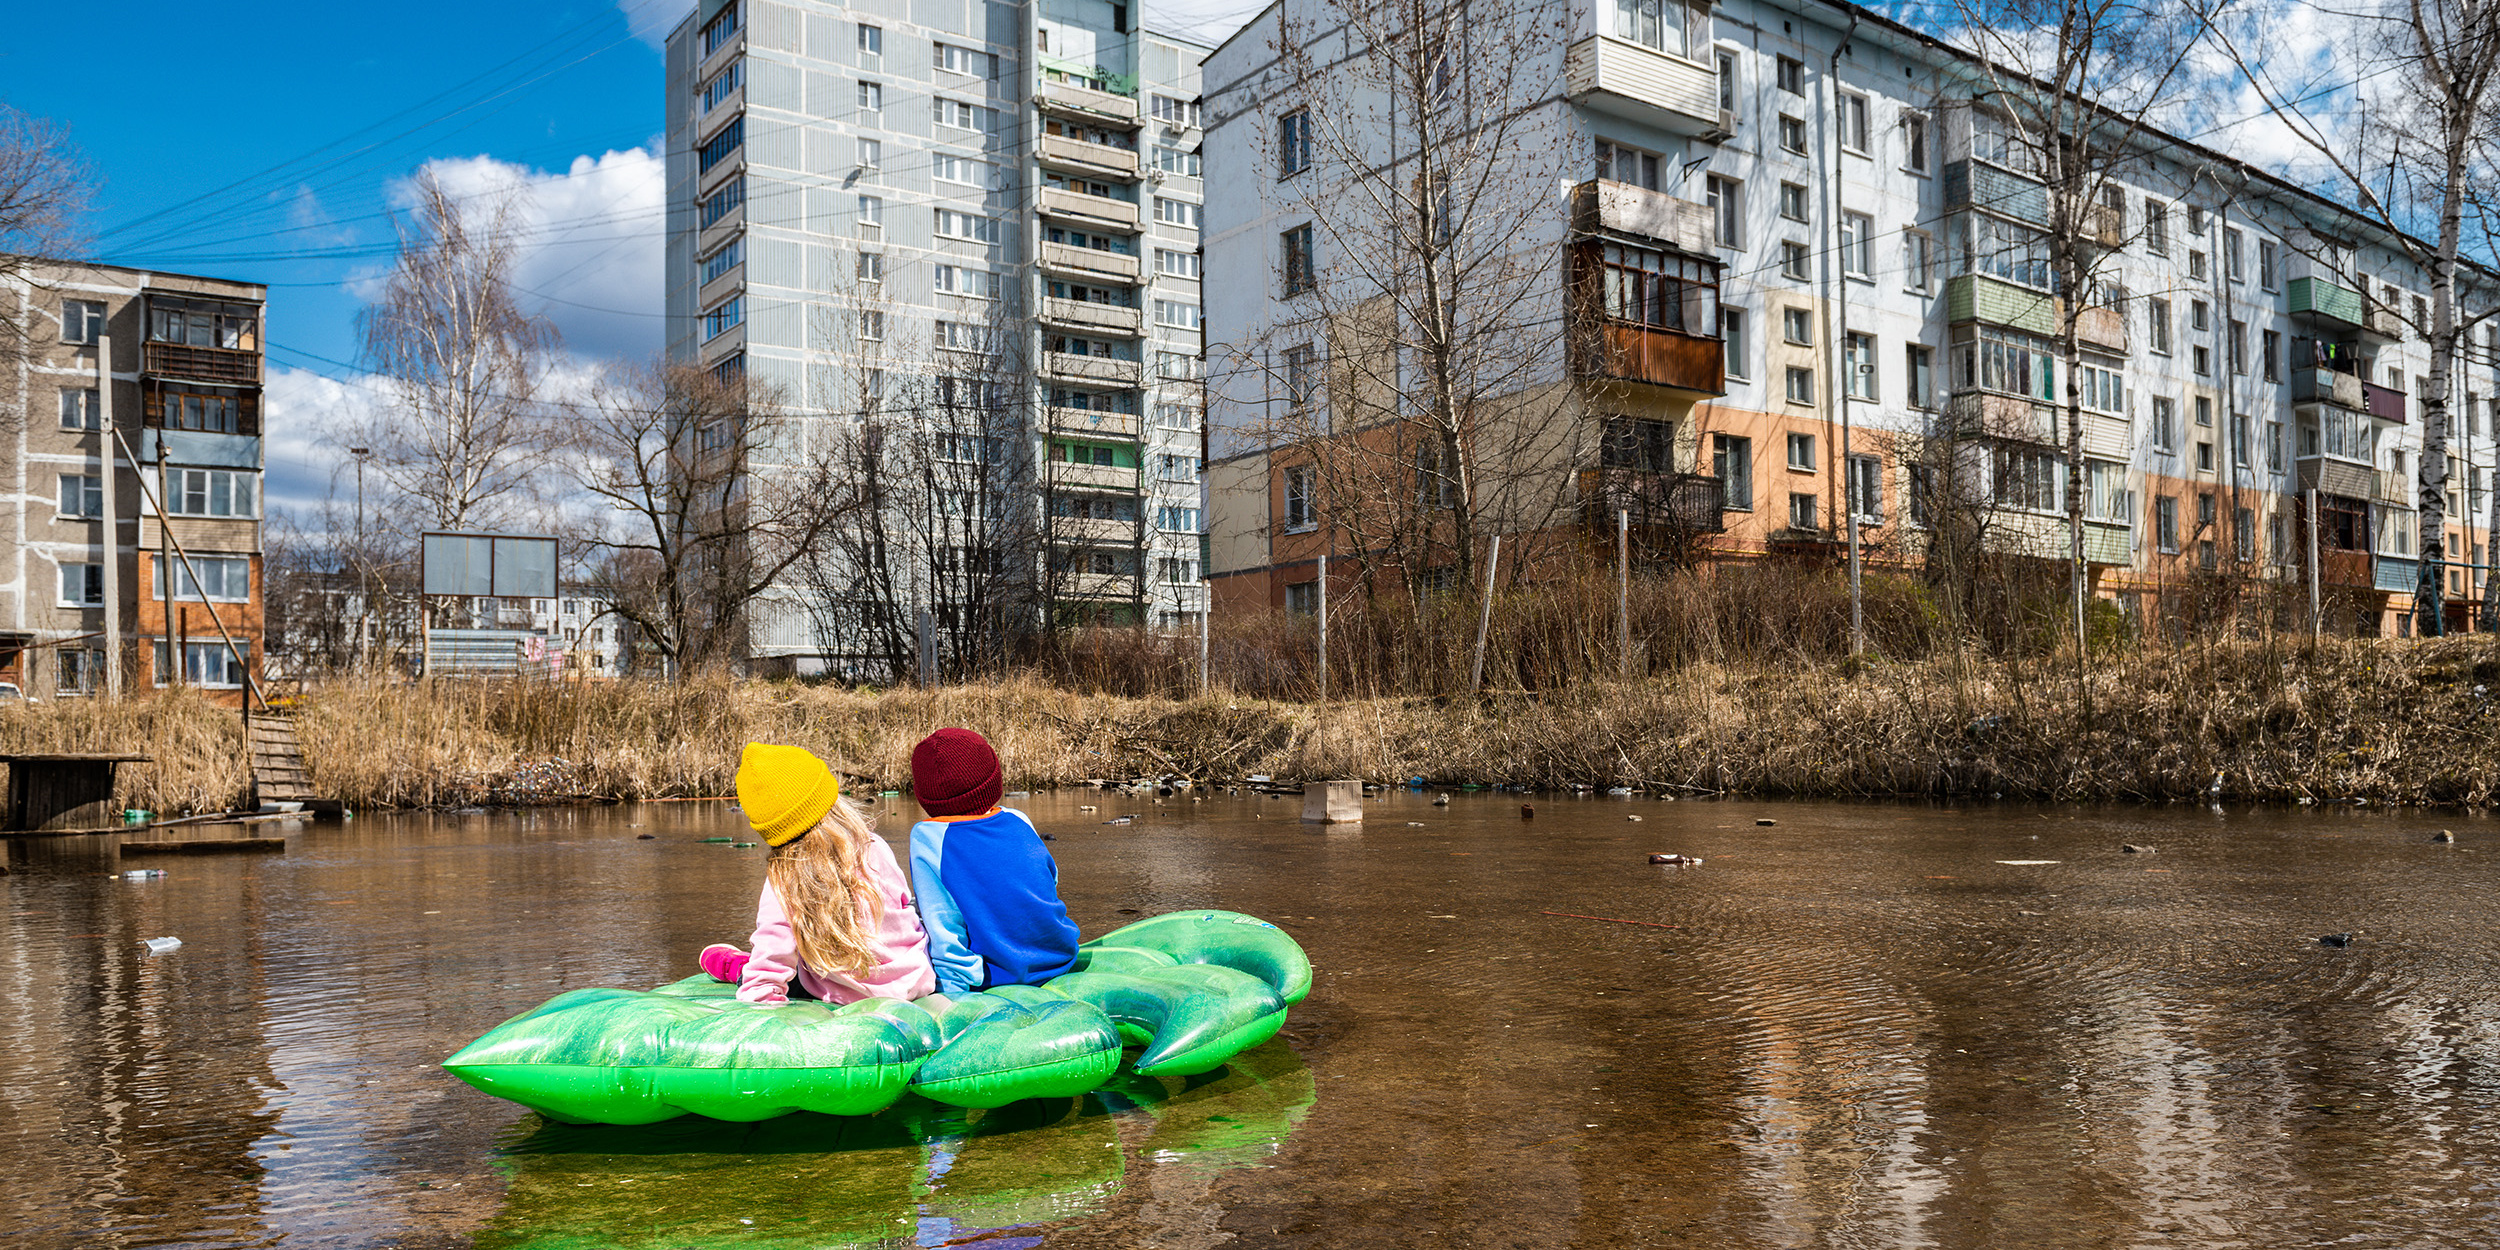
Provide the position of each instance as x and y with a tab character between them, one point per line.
1857	245
1183	366
212	492
1179	315
2196	265
1178	161
1657	288
2274	446
2156	226
2196	222
2205	456
1173	111
716	32
1919	367
1658	24
1293	143
1796	261
727	257
2105	494
81	410
1301	375
1922	495
214	413
1301	499
1793	134
82	585
1801	453
966	282
1866	489
82	320
871	215
719	147
1854	134
2231	247
1617	163
1914	142
2029	477
870	267
1858	358
1738	348
724	201
2271	341
2204	412
1797	325
1172	264
723	84
2102	388
956	224
1177	212
961	115
1731	461
2239	439
724	316
2005	360
1727	81
207	664
2201	358
1632	443
1794	204
1727	217
872	325
949	167
871	40
1801	511
1302	598
82	495
1917	259
1791	75
1300	273
219	579
2269	271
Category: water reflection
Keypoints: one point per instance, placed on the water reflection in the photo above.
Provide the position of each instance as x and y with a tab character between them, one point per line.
1859	1028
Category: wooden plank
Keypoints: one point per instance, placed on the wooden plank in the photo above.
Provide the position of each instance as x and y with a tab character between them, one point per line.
205	846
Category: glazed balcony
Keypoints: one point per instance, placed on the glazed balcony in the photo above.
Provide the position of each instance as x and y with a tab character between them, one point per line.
222	366
1978	184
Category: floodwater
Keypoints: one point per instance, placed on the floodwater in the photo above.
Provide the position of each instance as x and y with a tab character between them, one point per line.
1861	1026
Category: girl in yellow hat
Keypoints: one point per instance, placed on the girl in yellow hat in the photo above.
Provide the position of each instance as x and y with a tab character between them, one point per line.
836	911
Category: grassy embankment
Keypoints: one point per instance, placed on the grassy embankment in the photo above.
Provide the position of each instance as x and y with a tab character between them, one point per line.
2390	722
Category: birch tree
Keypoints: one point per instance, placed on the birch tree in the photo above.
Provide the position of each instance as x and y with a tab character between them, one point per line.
2406	125
43	195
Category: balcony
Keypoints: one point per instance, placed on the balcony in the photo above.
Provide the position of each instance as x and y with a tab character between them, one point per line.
1090	157
2383	402
1066	476
1977	297
217	365
1638	84
2320	303
1090	532
2319	385
2383	321
1618	208
2391	487
1072	367
1990	414
1092	316
1687	503
2108	542
2330	476
1977	184
1628	352
1097	586
2104	328
1085	102
1089	262
1090	423
2108	226
2394	574
1091	210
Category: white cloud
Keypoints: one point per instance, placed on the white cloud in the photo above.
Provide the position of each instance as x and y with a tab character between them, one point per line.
651	20
307	434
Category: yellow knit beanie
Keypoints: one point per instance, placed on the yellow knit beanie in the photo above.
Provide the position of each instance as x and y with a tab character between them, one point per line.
784	790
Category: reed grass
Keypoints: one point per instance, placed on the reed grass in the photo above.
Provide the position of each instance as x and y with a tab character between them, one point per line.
2272	720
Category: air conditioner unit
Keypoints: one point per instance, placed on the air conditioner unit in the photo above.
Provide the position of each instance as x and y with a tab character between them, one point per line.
1725	130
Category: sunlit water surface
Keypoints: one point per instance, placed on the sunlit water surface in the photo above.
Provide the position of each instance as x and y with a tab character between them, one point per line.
1858	1027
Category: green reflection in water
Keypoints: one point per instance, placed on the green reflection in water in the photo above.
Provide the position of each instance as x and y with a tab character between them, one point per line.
917	1173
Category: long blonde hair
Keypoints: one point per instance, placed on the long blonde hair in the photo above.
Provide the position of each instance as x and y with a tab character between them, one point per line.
823	883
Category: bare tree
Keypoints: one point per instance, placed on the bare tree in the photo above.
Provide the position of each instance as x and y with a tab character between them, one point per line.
43	195
463	434
2071	87
709	498
1418	375
2413	143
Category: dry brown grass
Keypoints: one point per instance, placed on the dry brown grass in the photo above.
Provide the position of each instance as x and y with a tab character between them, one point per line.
2390	722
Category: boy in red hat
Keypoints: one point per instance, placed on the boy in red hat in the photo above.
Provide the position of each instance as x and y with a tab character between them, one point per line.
987	888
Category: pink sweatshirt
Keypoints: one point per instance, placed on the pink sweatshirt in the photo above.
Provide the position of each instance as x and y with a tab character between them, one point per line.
902	947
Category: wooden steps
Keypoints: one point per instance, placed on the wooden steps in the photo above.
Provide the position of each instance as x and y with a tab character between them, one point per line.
278	774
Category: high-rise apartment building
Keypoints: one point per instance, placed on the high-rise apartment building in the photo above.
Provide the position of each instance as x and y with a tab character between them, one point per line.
1774	266
974	219
157	376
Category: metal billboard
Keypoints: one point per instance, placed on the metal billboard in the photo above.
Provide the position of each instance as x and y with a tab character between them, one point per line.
497	566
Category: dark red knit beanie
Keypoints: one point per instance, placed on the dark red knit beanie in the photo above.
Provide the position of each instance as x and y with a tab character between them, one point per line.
955	773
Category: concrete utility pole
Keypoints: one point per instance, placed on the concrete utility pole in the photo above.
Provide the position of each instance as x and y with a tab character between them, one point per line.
1323	629
1623	593
1484	622
1836	265
112	518
2317	616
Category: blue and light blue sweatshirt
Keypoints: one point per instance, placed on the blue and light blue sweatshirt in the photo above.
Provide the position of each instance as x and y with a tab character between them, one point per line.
988	893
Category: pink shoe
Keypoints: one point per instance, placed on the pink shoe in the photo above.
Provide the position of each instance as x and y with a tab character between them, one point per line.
723	962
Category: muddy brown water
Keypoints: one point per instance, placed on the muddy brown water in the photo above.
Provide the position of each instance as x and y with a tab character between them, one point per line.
1862	1028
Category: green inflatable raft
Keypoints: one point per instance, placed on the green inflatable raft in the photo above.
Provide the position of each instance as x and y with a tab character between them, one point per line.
1192	989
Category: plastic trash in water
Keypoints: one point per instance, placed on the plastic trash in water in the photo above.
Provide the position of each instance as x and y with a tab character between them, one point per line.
144	874
158	946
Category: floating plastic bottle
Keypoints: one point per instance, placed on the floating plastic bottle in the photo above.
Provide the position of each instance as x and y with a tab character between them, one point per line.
158	946
144	874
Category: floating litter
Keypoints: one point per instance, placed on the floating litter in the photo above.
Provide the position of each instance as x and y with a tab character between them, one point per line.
718	839
2028	862
158	946
144	874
